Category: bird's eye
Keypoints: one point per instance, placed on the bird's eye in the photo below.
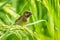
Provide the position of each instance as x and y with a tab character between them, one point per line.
26	14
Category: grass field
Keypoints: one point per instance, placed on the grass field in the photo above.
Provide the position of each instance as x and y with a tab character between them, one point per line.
44	23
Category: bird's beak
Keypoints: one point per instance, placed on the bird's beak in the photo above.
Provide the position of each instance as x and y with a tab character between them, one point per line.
30	13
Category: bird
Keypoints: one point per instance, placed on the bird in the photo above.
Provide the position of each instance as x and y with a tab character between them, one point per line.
23	19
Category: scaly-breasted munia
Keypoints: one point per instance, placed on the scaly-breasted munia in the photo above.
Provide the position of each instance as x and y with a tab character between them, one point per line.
23	19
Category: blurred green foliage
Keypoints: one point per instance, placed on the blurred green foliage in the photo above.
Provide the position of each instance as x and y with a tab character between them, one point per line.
44	24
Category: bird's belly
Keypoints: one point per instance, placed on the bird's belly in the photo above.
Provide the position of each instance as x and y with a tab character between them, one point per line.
21	23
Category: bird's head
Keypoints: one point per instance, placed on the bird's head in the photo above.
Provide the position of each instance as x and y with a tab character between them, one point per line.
27	13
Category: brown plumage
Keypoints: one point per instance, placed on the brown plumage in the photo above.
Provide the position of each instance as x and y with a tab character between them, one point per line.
22	20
